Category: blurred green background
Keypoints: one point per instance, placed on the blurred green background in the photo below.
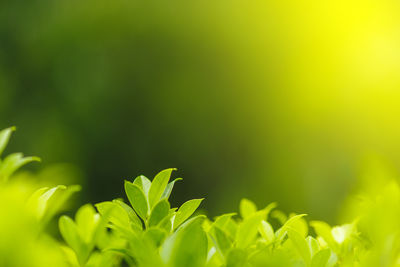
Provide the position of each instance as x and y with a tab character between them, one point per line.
271	100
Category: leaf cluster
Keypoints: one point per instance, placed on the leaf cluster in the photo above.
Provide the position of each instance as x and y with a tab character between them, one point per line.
146	231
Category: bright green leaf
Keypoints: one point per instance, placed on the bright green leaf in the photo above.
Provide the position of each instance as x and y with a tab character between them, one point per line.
300	244
137	199
158	186
266	231
247	208
186	210
321	258
159	212
248	229
144	183
168	189
5	137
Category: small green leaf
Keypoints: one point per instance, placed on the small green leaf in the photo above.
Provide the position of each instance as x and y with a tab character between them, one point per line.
187	246
44	199
87	221
222	240
159	212
5	137
321	258
247	208
114	213
186	210
266	231
168	189
300	225
280	234
325	231
312	245
12	163
144	183
158	186
248	229
137	199
222	220
70	233
300	244
131	213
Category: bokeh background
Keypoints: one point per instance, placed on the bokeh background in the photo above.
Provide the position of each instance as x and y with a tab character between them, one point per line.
271	100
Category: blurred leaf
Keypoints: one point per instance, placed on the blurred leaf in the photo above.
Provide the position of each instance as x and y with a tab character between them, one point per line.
187	246
248	229
69	232
236	258
87	221
222	240
5	137
12	163
321	258
155	235
324	230
280	234
247	208
300	244
266	231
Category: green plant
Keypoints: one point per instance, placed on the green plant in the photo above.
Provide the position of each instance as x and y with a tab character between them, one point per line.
147	232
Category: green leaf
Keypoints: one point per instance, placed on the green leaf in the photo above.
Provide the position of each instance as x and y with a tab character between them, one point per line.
280	234
158	186
266	231
166	223
187	246
247	208
248	229
159	212
137	223
155	235
58	200
5	137
144	183
321	258
44	198
137	199
12	163
168	189
236	258
114	213
324	230
300	225
186	210
300	244
70	233
313	245
222	240
222	220
87	221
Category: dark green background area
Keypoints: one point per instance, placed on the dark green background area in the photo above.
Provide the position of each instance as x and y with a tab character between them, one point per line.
122	88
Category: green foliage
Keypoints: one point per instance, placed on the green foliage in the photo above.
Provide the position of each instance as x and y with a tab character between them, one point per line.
147	232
